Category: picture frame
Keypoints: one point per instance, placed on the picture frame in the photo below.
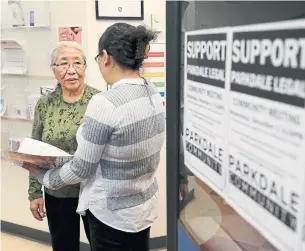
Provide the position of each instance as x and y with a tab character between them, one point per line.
119	9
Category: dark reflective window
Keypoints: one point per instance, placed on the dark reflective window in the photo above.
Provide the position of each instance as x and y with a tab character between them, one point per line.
212	223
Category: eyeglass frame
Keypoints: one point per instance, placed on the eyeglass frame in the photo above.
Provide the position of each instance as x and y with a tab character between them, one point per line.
100	54
73	66
96	57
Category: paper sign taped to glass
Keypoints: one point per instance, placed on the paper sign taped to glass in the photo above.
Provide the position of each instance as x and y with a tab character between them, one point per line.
39	154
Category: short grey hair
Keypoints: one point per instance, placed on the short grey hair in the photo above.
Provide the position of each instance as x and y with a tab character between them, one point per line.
67	44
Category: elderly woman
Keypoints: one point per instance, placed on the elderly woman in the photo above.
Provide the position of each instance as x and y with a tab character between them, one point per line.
57	118
119	147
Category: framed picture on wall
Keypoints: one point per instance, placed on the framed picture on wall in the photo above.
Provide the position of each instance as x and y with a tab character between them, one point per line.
119	9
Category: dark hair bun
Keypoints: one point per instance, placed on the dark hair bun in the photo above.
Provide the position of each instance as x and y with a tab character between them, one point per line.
126	44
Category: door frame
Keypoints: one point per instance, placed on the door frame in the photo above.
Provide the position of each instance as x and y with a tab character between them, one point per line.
173	45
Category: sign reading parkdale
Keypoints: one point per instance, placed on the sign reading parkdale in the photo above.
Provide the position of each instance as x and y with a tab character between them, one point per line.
207	151
244	122
204	130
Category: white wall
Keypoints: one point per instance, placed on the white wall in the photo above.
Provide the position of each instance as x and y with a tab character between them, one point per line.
96	28
39	42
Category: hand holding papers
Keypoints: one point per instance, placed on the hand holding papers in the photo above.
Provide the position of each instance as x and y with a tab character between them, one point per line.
39	154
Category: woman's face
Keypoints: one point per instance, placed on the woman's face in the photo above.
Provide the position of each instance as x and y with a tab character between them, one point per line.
69	68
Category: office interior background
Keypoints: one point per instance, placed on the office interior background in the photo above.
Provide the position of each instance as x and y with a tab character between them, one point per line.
198	210
38	41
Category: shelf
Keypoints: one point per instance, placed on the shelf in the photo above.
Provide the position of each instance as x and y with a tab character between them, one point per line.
27	75
15	118
15	73
27	27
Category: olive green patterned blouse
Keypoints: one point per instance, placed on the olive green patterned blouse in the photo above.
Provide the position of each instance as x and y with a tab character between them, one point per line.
56	123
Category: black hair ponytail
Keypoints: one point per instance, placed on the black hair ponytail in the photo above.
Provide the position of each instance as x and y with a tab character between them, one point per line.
127	44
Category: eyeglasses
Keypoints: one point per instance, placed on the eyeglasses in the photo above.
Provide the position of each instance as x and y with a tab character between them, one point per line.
65	66
96	57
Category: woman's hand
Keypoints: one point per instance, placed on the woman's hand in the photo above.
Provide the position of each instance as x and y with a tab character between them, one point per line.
37	209
33	170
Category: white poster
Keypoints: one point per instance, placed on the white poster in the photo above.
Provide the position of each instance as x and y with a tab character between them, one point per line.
244	133
267	127
205	99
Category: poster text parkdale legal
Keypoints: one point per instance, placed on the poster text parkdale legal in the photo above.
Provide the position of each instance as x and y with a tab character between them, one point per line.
207	50
286	53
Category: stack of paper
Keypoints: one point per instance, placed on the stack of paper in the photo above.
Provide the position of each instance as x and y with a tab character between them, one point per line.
39	153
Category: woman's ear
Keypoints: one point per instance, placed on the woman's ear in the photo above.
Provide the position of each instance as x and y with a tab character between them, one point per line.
53	69
105	58
55	73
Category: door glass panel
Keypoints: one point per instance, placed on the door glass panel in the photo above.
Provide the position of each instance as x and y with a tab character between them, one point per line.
209	220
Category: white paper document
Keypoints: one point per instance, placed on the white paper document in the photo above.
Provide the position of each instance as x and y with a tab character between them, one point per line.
39	153
205	98
38	148
13	58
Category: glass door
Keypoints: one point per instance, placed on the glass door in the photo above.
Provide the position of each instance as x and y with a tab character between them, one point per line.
198	216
